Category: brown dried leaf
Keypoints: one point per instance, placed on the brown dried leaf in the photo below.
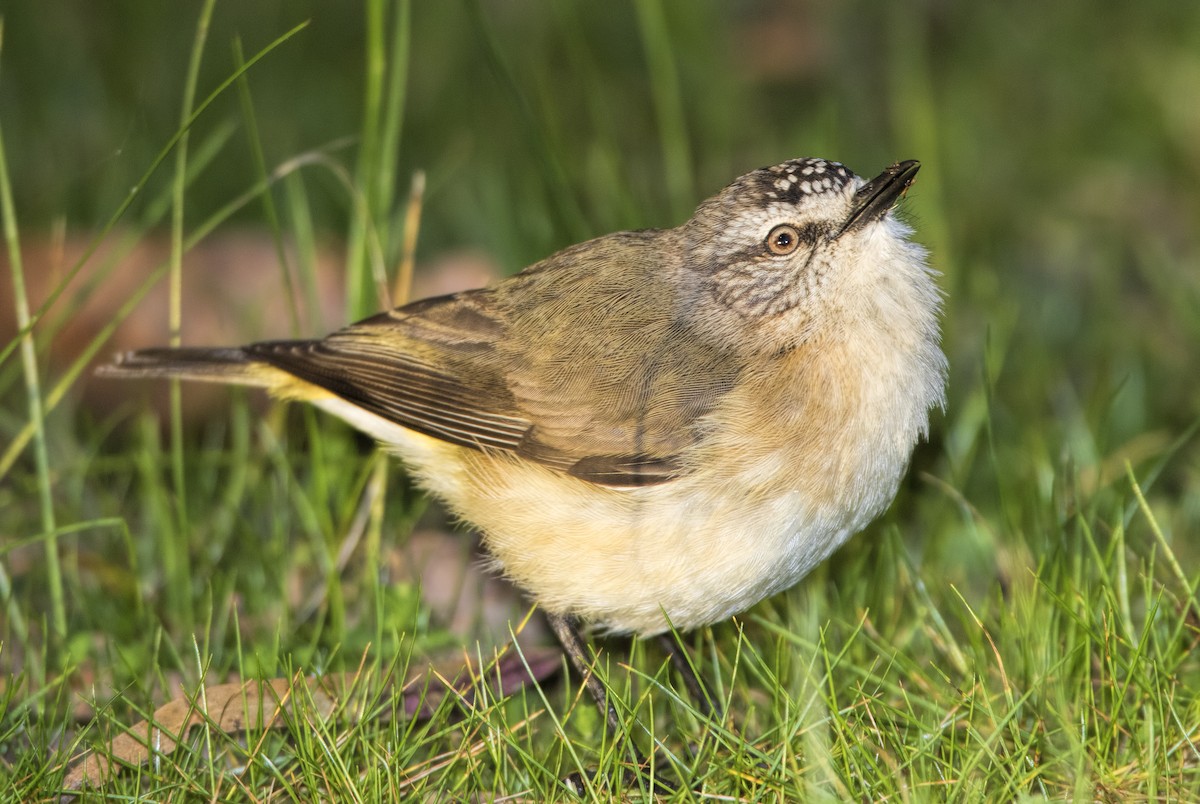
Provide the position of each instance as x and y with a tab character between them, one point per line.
266	704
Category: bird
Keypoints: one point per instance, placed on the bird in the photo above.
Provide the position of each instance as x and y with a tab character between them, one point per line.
653	430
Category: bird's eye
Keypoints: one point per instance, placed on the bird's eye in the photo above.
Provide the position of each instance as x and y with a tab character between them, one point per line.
783	239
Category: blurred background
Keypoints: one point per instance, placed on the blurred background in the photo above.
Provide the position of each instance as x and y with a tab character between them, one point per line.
1061	146
1060	197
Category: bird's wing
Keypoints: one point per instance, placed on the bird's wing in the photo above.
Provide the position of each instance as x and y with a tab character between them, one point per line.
430	366
576	364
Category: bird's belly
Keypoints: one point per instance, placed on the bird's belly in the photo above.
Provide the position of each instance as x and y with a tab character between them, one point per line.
686	553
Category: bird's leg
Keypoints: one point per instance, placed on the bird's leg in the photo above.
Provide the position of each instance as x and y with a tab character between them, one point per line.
683	665
572	644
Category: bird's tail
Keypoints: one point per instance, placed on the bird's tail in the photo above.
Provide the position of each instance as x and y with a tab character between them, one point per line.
230	366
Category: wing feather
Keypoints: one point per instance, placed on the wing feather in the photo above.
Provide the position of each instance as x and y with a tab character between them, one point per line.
578	363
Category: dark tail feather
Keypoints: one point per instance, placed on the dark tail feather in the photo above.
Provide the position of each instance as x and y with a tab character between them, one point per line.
228	365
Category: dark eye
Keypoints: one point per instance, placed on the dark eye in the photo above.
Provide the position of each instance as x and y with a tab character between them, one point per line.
783	239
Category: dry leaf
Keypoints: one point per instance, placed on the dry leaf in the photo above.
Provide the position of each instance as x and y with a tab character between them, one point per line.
259	705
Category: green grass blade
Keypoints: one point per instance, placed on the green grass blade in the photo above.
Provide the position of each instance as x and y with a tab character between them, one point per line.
33	393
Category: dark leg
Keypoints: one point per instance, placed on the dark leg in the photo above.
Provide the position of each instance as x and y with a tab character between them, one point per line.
573	646
572	643
683	665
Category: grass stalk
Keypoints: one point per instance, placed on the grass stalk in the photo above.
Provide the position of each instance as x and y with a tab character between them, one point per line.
33	395
174	545
254	141
668	107
363	224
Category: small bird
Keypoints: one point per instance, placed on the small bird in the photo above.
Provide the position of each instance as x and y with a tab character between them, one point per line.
654	428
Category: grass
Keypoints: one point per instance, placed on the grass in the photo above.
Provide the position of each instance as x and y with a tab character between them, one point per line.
1021	624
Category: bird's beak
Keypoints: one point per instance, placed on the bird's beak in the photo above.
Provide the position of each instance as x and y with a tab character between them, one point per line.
876	197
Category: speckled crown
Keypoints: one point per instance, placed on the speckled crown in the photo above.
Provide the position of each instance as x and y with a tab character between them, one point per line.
797	178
